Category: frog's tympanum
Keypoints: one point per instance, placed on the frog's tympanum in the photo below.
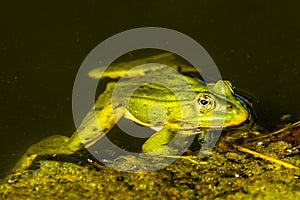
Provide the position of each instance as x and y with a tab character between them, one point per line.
161	96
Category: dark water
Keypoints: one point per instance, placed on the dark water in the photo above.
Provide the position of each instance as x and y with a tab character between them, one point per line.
256	45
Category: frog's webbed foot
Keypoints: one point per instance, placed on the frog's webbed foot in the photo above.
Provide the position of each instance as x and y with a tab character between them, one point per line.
50	146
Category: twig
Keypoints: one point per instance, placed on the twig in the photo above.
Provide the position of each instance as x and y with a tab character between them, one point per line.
266	157
283	129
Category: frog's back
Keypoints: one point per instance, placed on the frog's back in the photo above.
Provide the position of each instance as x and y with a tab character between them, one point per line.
130	69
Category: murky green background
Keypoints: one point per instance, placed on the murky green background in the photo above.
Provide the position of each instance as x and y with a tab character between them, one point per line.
42	45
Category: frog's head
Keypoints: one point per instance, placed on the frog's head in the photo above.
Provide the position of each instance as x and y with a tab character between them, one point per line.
219	106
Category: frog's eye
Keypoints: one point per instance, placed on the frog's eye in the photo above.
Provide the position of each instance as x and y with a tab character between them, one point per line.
205	103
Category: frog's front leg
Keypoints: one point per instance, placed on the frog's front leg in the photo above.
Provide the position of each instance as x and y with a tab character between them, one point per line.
159	141
207	140
165	142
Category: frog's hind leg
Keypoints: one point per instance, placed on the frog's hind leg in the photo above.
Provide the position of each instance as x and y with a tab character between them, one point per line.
49	146
89	133
98	122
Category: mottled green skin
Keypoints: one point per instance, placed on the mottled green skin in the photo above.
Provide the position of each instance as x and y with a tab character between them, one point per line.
167	102
173	107
181	105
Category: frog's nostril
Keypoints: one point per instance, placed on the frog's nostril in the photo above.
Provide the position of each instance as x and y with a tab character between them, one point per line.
229	107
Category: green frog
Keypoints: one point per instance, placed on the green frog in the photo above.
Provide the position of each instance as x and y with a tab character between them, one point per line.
164	97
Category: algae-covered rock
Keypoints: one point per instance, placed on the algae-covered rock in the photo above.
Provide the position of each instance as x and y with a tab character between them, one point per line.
228	172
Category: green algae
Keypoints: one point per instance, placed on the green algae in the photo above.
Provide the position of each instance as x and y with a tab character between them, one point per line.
226	173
